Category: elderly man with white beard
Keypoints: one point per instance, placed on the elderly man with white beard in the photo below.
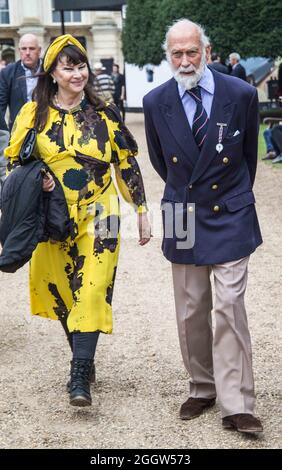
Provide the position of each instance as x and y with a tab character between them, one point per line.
202	132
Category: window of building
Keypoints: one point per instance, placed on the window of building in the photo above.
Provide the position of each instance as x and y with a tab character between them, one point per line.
4	12
70	16
7	50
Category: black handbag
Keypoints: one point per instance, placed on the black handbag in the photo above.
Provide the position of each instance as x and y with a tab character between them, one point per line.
26	152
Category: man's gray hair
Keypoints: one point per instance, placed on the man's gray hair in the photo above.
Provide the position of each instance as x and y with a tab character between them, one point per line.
29	37
186	23
235	55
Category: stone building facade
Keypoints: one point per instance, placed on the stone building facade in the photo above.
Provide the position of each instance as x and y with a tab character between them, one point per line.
99	31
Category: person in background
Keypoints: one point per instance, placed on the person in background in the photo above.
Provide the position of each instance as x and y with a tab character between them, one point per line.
237	70
202	135
3	64
18	80
216	63
276	137
79	137
119	93
270	150
4	139
273	141
103	83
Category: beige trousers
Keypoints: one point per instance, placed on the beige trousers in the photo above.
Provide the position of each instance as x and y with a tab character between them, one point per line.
220	364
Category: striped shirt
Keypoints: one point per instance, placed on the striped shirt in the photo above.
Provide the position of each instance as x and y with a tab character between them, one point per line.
104	86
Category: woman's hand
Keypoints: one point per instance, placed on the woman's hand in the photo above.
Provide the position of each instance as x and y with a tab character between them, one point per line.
48	183
144	228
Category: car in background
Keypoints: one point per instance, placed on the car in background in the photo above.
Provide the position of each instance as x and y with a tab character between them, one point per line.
257	68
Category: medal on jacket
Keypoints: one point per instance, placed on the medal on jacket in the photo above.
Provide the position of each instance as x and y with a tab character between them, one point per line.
219	146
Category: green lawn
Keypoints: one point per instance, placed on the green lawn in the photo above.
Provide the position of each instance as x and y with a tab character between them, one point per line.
261	144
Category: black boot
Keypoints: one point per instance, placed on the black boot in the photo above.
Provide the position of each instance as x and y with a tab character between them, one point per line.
92	377
80	382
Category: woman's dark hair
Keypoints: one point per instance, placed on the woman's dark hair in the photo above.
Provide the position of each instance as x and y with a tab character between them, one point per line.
45	90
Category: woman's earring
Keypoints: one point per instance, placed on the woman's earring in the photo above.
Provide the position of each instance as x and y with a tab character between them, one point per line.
54	80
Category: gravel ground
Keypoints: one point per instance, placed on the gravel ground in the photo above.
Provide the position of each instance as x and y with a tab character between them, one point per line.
141	378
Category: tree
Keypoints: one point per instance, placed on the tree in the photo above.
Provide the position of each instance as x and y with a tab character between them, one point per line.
250	27
142	32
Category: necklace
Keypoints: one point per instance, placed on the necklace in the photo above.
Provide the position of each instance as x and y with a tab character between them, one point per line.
61	106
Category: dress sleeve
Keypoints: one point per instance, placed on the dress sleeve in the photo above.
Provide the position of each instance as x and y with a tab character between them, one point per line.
23	122
124	150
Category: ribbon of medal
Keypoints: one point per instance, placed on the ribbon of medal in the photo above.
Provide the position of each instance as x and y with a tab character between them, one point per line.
219	146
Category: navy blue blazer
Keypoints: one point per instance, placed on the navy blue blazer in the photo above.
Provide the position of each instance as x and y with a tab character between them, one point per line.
239	72
13	91
214	187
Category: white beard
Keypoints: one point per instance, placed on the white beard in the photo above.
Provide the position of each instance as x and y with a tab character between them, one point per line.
189	82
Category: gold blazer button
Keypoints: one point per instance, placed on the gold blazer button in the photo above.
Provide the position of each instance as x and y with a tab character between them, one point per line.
216	208
225	160
174	159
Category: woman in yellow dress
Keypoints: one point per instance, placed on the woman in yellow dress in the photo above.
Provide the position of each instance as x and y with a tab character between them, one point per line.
79	137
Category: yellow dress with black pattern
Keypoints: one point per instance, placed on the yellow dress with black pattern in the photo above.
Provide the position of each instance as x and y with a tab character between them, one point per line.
73	281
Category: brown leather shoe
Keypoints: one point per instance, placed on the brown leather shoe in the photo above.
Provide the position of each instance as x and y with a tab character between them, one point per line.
194	407
242	422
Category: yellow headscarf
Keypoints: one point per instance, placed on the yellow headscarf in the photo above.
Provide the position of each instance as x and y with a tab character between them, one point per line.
56	46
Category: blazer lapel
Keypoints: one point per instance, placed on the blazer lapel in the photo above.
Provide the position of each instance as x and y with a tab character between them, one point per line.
221	112
21	82
175	117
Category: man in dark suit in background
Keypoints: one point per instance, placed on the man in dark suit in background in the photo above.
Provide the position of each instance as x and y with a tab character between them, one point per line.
202	132
237	70
16	80
217	65
119	93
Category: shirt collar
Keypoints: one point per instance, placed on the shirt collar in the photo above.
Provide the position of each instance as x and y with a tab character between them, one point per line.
26	69
206	82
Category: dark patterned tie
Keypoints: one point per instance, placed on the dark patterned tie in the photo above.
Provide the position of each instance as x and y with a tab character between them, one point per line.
201	120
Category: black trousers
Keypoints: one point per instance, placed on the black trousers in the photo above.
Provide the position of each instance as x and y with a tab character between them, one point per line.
84	345
119	103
